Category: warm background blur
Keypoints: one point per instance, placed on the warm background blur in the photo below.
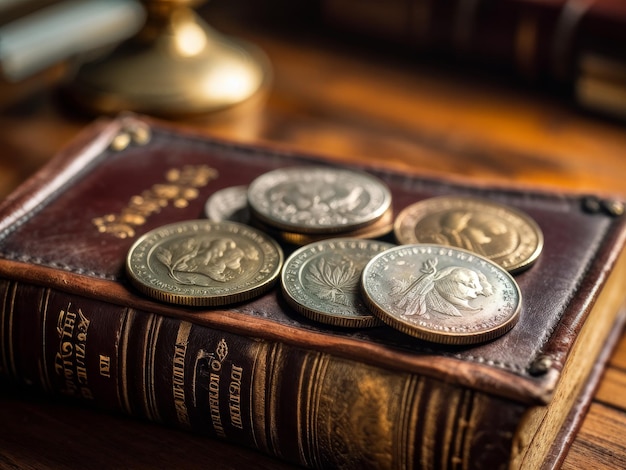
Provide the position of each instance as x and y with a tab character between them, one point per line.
517	104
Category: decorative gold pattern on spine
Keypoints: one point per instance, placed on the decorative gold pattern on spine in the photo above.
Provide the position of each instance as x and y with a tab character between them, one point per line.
123	397
150	343
4	338
44	376
178	373
315	394
258	379
273	402
10	365
409	413
301	421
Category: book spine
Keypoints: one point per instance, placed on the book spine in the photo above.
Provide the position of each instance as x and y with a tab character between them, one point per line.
304	406
535	38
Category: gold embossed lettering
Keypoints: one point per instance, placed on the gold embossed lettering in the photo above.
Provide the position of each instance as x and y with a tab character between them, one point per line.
70	361
105	366
214	404
178	384
181	187
234	396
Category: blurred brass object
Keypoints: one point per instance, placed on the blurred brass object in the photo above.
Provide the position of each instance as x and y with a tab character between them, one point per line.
176	66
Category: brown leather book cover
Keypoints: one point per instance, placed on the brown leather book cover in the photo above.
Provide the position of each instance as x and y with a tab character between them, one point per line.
258	373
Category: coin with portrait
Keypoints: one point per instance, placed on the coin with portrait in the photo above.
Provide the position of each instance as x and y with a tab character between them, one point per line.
317	199
441	294
322	281
204	263
501	233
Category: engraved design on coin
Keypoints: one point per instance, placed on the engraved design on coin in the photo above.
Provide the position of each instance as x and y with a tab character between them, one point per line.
447	291
318	199
500	233
322	280
204	263
228	204
441	294
198	260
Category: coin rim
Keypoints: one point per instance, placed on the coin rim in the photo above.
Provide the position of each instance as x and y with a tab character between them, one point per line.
351	321
203	300
436	336
379	228
296	228
209	204
533	225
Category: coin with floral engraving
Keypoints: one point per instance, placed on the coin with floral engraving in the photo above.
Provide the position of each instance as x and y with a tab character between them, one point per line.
499	232
441	294
314	199
228	204
322	281
204	263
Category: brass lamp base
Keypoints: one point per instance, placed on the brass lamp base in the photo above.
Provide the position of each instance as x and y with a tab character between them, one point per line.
177	66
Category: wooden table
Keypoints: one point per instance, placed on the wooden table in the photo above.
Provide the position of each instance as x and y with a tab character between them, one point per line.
351	103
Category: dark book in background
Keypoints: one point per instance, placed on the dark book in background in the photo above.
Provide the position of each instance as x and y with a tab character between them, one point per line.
577	44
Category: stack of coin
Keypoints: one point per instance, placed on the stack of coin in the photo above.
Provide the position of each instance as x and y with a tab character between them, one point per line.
304	204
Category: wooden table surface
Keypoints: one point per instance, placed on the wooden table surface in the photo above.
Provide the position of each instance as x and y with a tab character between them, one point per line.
351	102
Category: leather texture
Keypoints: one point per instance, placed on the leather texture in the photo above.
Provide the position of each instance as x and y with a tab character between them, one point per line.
48	237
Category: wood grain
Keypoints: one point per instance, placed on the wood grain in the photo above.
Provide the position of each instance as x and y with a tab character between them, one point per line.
346	101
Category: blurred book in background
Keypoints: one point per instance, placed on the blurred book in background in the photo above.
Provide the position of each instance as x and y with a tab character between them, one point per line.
579	44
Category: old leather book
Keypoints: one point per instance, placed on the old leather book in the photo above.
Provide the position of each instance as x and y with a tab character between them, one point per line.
259	374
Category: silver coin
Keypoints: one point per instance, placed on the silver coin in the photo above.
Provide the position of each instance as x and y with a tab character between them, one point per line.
204	263
441	294
322	281
228	204
318	199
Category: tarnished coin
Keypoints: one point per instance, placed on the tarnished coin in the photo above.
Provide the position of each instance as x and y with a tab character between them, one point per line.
312	199
441	294
322	281
204	263
228	204
504	235
381	227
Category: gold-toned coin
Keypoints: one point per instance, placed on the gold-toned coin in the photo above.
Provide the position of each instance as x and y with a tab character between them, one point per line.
204	263
503	234
380	228
441	294
318	200
322	281
228	204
